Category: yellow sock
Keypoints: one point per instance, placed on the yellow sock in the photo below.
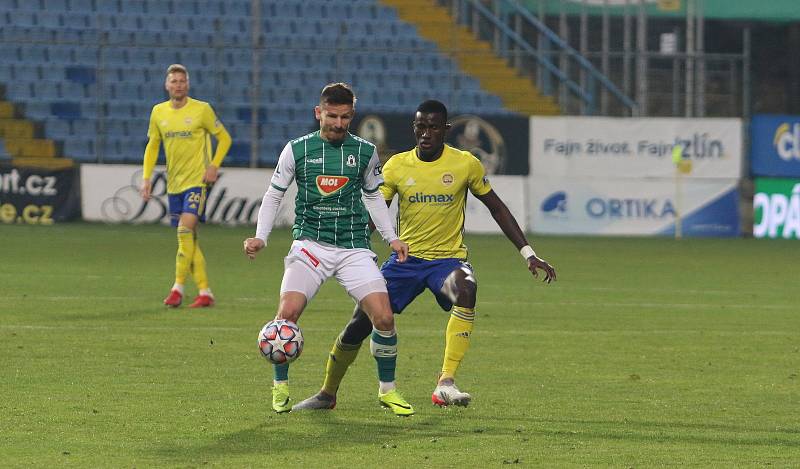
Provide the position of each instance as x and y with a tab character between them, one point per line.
199	267
340	358
183	260
459	330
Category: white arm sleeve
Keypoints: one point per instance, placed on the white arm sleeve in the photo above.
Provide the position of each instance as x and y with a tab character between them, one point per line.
379	212
281	178
267	212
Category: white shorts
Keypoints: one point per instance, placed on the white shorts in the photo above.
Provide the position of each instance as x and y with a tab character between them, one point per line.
310	263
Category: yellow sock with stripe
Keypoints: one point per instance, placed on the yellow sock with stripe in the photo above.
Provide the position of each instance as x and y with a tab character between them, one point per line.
199	267
459	330
183	260
340	358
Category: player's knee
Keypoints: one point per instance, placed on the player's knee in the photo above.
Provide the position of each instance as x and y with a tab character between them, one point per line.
460	286
291	306
383	320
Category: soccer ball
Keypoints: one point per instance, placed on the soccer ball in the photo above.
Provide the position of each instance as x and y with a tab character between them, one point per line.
280	341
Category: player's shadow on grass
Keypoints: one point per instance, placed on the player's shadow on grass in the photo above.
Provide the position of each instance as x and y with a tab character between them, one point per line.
336	431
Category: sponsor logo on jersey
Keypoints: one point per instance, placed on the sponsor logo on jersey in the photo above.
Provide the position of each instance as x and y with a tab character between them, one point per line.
188	120
421	197
314	160
351	161
447	179
328	185
178	134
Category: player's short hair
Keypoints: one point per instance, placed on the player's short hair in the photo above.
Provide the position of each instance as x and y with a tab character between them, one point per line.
177	68
337	93
432	105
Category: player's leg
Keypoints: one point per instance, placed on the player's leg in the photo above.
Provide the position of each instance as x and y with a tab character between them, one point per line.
303	275
363	281
204	296
343	354
403	284
198	266
460	287
185	221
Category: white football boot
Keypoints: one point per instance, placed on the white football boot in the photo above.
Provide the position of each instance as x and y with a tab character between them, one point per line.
449	394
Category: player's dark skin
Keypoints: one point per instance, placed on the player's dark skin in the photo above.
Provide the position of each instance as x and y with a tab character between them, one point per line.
430	130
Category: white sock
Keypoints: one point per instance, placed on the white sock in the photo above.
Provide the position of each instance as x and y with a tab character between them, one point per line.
178	287
385	387
205	292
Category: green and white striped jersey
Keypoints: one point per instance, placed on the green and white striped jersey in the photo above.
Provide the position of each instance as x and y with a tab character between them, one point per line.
330	179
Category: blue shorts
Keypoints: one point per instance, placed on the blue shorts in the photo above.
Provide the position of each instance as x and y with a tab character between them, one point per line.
405	281
189	201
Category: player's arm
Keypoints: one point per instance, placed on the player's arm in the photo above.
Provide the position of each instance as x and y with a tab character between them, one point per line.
506	221
281	178
150	157
215	128
378	208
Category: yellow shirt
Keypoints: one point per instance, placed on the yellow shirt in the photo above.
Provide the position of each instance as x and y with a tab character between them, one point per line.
433	197
187	145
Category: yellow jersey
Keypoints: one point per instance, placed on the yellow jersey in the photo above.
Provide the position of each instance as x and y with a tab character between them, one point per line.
432	199
185	133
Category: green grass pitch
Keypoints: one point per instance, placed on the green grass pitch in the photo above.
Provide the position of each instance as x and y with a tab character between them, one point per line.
645	353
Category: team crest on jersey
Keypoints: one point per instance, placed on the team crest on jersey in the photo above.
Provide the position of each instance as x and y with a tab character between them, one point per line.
447	179
351	161
328	185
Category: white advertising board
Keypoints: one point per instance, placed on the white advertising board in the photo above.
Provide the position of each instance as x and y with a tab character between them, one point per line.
707	207
110	193
608	147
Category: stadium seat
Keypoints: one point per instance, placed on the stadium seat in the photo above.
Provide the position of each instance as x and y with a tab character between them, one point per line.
80	74
57	129
80	149
81	6
66	109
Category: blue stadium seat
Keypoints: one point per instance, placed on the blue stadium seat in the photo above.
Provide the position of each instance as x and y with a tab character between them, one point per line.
81	74
81	6
66	109
57	129
83	127
161	7
80	149
136	7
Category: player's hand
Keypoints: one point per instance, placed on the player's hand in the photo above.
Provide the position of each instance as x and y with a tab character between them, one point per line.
252	246
146	189
535	263
210	177
401	249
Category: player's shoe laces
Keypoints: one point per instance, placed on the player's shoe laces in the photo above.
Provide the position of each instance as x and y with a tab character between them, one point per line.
395	401
280	398
318	401
448	394
173	299
202	301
